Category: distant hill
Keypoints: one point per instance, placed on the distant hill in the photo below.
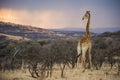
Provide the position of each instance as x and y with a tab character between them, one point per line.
35	33
24	30
110	34
97	30
10	37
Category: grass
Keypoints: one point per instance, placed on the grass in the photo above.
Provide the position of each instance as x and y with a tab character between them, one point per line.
69	74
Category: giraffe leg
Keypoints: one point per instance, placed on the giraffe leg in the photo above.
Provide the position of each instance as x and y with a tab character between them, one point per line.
83	64
90	57
84	58
79	49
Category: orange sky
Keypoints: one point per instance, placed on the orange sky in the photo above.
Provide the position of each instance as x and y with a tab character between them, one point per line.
44	19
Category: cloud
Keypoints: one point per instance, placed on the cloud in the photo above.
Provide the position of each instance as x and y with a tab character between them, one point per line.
56	19
44	18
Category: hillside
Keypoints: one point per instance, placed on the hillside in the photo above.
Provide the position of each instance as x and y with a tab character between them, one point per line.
35	33
10	37
24	30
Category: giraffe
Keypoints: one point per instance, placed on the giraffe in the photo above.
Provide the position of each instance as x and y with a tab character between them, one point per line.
85	44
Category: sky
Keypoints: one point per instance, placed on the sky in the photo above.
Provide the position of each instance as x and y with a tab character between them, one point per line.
61	14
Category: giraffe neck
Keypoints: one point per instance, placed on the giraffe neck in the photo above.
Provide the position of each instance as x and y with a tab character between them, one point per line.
87	27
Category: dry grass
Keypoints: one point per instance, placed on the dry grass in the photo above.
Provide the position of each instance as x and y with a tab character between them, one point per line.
70	74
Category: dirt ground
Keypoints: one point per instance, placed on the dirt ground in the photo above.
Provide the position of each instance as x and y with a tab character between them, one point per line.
70	74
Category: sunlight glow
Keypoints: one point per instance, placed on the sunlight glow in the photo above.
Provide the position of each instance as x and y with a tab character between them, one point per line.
43	19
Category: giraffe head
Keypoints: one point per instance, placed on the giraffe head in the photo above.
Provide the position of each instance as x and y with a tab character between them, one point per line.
86	16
